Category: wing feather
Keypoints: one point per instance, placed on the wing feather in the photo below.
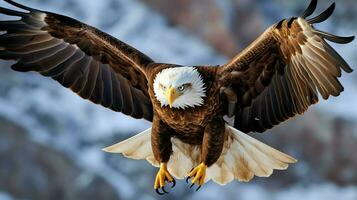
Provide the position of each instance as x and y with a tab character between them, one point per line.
88	89
93	64
284	71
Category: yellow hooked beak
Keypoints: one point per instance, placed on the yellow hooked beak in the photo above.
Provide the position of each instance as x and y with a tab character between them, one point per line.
171	95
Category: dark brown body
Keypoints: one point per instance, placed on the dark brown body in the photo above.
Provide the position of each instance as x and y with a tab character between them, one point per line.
202	125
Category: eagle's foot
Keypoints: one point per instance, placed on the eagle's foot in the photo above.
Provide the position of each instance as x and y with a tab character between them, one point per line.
162	176
198	175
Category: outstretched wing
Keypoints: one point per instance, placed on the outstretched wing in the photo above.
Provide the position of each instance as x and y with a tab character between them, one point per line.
91	63
282	72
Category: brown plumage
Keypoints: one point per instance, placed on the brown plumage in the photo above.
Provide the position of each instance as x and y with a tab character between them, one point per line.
277	77
283	72
91	63
190	127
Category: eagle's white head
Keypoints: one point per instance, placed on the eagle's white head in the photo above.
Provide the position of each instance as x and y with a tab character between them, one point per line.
179	87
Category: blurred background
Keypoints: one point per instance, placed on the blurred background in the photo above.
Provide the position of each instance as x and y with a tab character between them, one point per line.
51	139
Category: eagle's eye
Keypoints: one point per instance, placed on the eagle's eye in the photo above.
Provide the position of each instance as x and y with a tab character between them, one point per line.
184	87
181	88
162	87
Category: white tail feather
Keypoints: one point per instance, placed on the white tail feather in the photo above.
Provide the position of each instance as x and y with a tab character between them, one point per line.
137	147
242	158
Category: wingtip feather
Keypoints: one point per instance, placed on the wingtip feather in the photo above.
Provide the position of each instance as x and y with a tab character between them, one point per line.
324	15
19	5
310	9
334	38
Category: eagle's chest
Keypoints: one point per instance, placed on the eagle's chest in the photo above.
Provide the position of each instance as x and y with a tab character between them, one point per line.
192	119
189	120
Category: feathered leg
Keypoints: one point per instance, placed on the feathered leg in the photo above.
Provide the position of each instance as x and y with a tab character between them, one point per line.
211	150
162	149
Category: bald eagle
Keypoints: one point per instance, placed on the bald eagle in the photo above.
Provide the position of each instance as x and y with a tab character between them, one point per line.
278	76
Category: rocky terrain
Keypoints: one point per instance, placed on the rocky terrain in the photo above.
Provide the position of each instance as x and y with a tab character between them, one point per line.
29	169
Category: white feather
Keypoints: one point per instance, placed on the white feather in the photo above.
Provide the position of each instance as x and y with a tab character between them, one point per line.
137	147
242	158
175	77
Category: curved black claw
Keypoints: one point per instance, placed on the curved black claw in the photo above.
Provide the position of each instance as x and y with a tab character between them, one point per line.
160	193
173	183
163	189
187	179
198	188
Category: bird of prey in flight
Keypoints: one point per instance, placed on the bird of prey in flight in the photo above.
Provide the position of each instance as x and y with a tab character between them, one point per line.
278	76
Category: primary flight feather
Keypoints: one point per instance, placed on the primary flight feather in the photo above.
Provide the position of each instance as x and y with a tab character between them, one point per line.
277	77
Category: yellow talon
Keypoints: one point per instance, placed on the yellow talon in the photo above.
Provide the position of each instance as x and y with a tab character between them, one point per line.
198	175
162	176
